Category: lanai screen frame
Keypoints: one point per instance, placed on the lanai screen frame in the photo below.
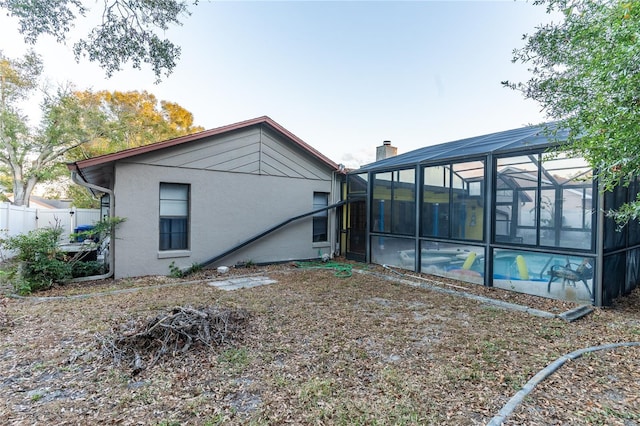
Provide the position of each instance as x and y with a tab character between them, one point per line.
620	250
533	143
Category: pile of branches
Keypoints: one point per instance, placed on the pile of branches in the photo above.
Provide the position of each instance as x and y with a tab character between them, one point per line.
140	345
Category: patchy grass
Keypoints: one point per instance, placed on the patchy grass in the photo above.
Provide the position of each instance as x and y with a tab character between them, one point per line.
319	349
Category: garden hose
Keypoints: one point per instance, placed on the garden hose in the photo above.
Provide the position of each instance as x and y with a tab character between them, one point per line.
515	401
343	270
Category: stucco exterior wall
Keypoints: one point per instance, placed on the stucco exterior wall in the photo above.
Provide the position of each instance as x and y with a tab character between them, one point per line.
226	207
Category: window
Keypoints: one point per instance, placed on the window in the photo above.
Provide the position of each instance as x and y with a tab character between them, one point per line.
393	203
566	202
544	201
435	205
453	201
516	202
174	216
320	219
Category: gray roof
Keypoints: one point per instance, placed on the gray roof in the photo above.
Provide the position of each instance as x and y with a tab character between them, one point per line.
523	139
51	203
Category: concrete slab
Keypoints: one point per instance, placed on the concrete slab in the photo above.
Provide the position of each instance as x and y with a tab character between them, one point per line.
241	282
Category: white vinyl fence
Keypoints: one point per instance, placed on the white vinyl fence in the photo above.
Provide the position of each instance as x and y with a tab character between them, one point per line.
16	220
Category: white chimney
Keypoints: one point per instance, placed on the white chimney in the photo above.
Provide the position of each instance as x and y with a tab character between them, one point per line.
386	151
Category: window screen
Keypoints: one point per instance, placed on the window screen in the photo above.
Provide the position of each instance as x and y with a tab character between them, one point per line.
174	216
320	220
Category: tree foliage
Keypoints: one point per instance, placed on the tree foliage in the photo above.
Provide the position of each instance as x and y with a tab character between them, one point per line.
133	119
586	75
28	155
74	125
129	31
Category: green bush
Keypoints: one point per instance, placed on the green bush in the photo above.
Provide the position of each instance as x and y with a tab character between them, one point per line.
39	262
87	268
39	242
176	272
99	230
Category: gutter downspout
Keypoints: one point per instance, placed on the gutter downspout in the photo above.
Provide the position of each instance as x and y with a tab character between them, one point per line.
337	177
76	178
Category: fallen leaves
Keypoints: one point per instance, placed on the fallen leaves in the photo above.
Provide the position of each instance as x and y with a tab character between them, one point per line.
316	349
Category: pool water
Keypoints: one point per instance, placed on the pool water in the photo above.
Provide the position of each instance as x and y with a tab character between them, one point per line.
538	265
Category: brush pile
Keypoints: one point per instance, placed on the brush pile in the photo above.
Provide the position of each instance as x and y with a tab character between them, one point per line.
140	345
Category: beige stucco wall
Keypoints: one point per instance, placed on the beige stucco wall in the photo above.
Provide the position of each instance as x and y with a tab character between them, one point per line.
226	208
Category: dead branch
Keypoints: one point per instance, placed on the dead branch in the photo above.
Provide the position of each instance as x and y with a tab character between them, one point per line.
141	345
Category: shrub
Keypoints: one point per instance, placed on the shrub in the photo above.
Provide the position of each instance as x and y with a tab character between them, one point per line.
39	262
87	268
36	265
100	230
176	272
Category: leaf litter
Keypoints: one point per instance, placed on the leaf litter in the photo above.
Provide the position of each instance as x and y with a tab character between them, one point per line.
312	349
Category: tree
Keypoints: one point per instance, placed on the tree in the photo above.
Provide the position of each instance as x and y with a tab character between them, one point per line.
74	125
129	120
133	119
128	30
31	155
586	76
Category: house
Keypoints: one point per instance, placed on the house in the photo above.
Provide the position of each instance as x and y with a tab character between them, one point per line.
246	192
497	211
45	203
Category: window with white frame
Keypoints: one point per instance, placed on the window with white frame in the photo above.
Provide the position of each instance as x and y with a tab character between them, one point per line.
174	216
320	219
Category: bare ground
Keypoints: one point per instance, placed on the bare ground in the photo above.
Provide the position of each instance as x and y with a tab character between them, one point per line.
317	349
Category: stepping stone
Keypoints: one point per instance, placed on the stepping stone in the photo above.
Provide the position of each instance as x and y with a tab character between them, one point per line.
242	282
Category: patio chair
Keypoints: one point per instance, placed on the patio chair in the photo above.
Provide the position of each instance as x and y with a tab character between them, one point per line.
571	273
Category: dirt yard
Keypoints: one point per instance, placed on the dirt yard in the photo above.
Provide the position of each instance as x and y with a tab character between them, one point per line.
315	349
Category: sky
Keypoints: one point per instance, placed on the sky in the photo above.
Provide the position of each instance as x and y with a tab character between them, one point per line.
343	76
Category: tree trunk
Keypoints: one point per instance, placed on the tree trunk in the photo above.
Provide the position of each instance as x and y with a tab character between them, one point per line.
18	187
22	191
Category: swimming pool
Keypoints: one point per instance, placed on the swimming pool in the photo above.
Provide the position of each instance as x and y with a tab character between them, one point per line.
508	264
530	273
